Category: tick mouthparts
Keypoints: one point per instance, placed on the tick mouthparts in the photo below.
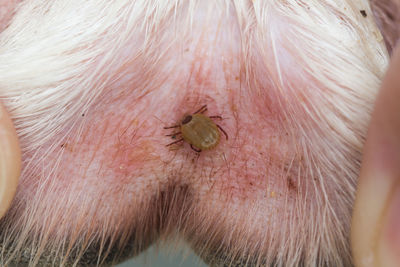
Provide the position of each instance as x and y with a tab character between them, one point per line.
187	119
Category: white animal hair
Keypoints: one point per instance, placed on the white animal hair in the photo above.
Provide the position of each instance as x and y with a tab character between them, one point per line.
59	57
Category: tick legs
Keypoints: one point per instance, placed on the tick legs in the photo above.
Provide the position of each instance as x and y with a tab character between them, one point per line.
222	130
173	134
202	109
215	117
180	140
170	127
197	150
175	142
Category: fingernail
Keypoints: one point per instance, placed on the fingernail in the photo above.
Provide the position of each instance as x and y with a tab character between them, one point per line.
388	250
10	161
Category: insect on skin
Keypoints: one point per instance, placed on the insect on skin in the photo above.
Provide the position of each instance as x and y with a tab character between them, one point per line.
198	130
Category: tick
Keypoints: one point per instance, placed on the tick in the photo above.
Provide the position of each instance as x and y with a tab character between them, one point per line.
198	130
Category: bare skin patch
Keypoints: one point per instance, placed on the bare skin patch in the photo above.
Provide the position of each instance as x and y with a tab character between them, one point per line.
7	10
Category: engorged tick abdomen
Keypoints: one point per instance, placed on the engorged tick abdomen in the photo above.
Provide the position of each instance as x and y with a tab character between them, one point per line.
201	132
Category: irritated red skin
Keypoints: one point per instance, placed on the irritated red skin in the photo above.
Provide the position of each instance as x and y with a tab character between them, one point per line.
7	8
122	154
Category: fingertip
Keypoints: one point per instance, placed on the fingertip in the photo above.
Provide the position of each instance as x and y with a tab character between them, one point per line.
369	209
379	181
388	249
10	161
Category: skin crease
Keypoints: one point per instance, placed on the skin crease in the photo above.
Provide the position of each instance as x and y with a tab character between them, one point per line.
217	176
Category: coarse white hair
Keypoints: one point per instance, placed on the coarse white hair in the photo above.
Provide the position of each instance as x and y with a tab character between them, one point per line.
321	62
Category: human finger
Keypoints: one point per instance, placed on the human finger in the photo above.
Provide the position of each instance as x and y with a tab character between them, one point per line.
376	217
10	161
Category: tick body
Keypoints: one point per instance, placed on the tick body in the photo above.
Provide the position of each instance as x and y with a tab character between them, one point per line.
199	131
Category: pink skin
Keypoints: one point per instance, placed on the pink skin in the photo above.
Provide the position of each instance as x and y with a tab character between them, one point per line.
119	162
121	154
6	12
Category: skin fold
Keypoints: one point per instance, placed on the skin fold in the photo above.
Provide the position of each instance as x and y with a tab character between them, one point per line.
91	86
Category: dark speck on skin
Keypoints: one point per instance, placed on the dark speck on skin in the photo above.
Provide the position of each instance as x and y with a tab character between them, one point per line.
363	13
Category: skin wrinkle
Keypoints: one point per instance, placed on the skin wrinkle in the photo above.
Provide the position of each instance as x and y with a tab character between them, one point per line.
259	65
387	13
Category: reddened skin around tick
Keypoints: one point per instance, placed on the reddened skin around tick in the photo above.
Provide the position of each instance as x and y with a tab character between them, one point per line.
199	131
